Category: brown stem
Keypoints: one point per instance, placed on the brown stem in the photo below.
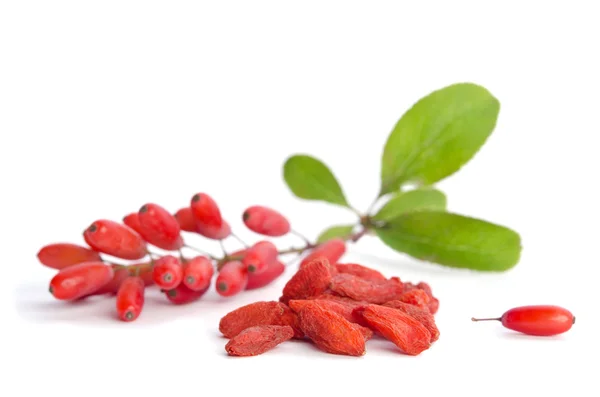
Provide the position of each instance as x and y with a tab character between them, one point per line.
486	319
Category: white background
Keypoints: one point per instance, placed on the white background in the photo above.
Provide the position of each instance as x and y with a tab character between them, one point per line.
107	105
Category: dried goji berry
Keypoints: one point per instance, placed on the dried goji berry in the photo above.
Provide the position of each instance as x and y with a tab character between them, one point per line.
331	332
364	290
366	332
416	297
198	273
434	303
257	340
182	294
421	315
360	271
332	250
258	257
115	239
61	255
265	221
273	271
159	227
79	280
258	313
309	281
232	279
400	328
130	298
337	307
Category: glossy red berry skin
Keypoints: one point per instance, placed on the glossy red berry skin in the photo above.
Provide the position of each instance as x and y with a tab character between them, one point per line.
130	298
61	255
159	227
265	221
232	279
206	211
258	257
79	280
182	294
132	220
541	320
198	273
186	220
332	250
168	272
273	271
115	239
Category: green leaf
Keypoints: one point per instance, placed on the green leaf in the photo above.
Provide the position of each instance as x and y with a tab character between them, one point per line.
438	135
335	231
453	240
413	200
310	179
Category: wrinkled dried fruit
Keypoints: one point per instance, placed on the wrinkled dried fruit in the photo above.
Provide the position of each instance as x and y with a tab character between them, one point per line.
398	327
360	271
415	297
309	281
340	308
259	313
421	315
257	340
331	332
364	290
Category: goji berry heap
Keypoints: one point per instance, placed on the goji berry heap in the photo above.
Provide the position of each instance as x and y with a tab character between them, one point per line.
338	307
85	271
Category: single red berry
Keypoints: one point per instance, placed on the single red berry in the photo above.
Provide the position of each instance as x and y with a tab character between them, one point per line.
266	221
232	279
273	271
115	239
130	298
168	272
79	280
212	232
332	250
159	227
198	273
540	320
61	255
182	294
206	211
259	256
186	220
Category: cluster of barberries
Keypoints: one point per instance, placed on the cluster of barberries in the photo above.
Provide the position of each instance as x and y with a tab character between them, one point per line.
83	271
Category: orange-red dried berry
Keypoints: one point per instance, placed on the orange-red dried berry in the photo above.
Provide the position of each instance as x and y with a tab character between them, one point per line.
398	327
331	305
311	280
257	340
415	297
360	271
258	313
331	332
364	290
421	315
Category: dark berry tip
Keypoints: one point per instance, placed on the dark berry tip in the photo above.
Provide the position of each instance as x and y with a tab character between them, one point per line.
167	277
190	280
143	209
51	290
92	228
196	197
251	268
245	216
573	319
222	286
172	293
129	315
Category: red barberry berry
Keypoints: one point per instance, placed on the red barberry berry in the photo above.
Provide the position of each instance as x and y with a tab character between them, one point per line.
79	280
186	220
132	220
232	278
206	211
332	250
273	271
258	257
182	294
212	232
61	255
130	298
159	227
115	239
198	273
537	320
168	272
266	221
